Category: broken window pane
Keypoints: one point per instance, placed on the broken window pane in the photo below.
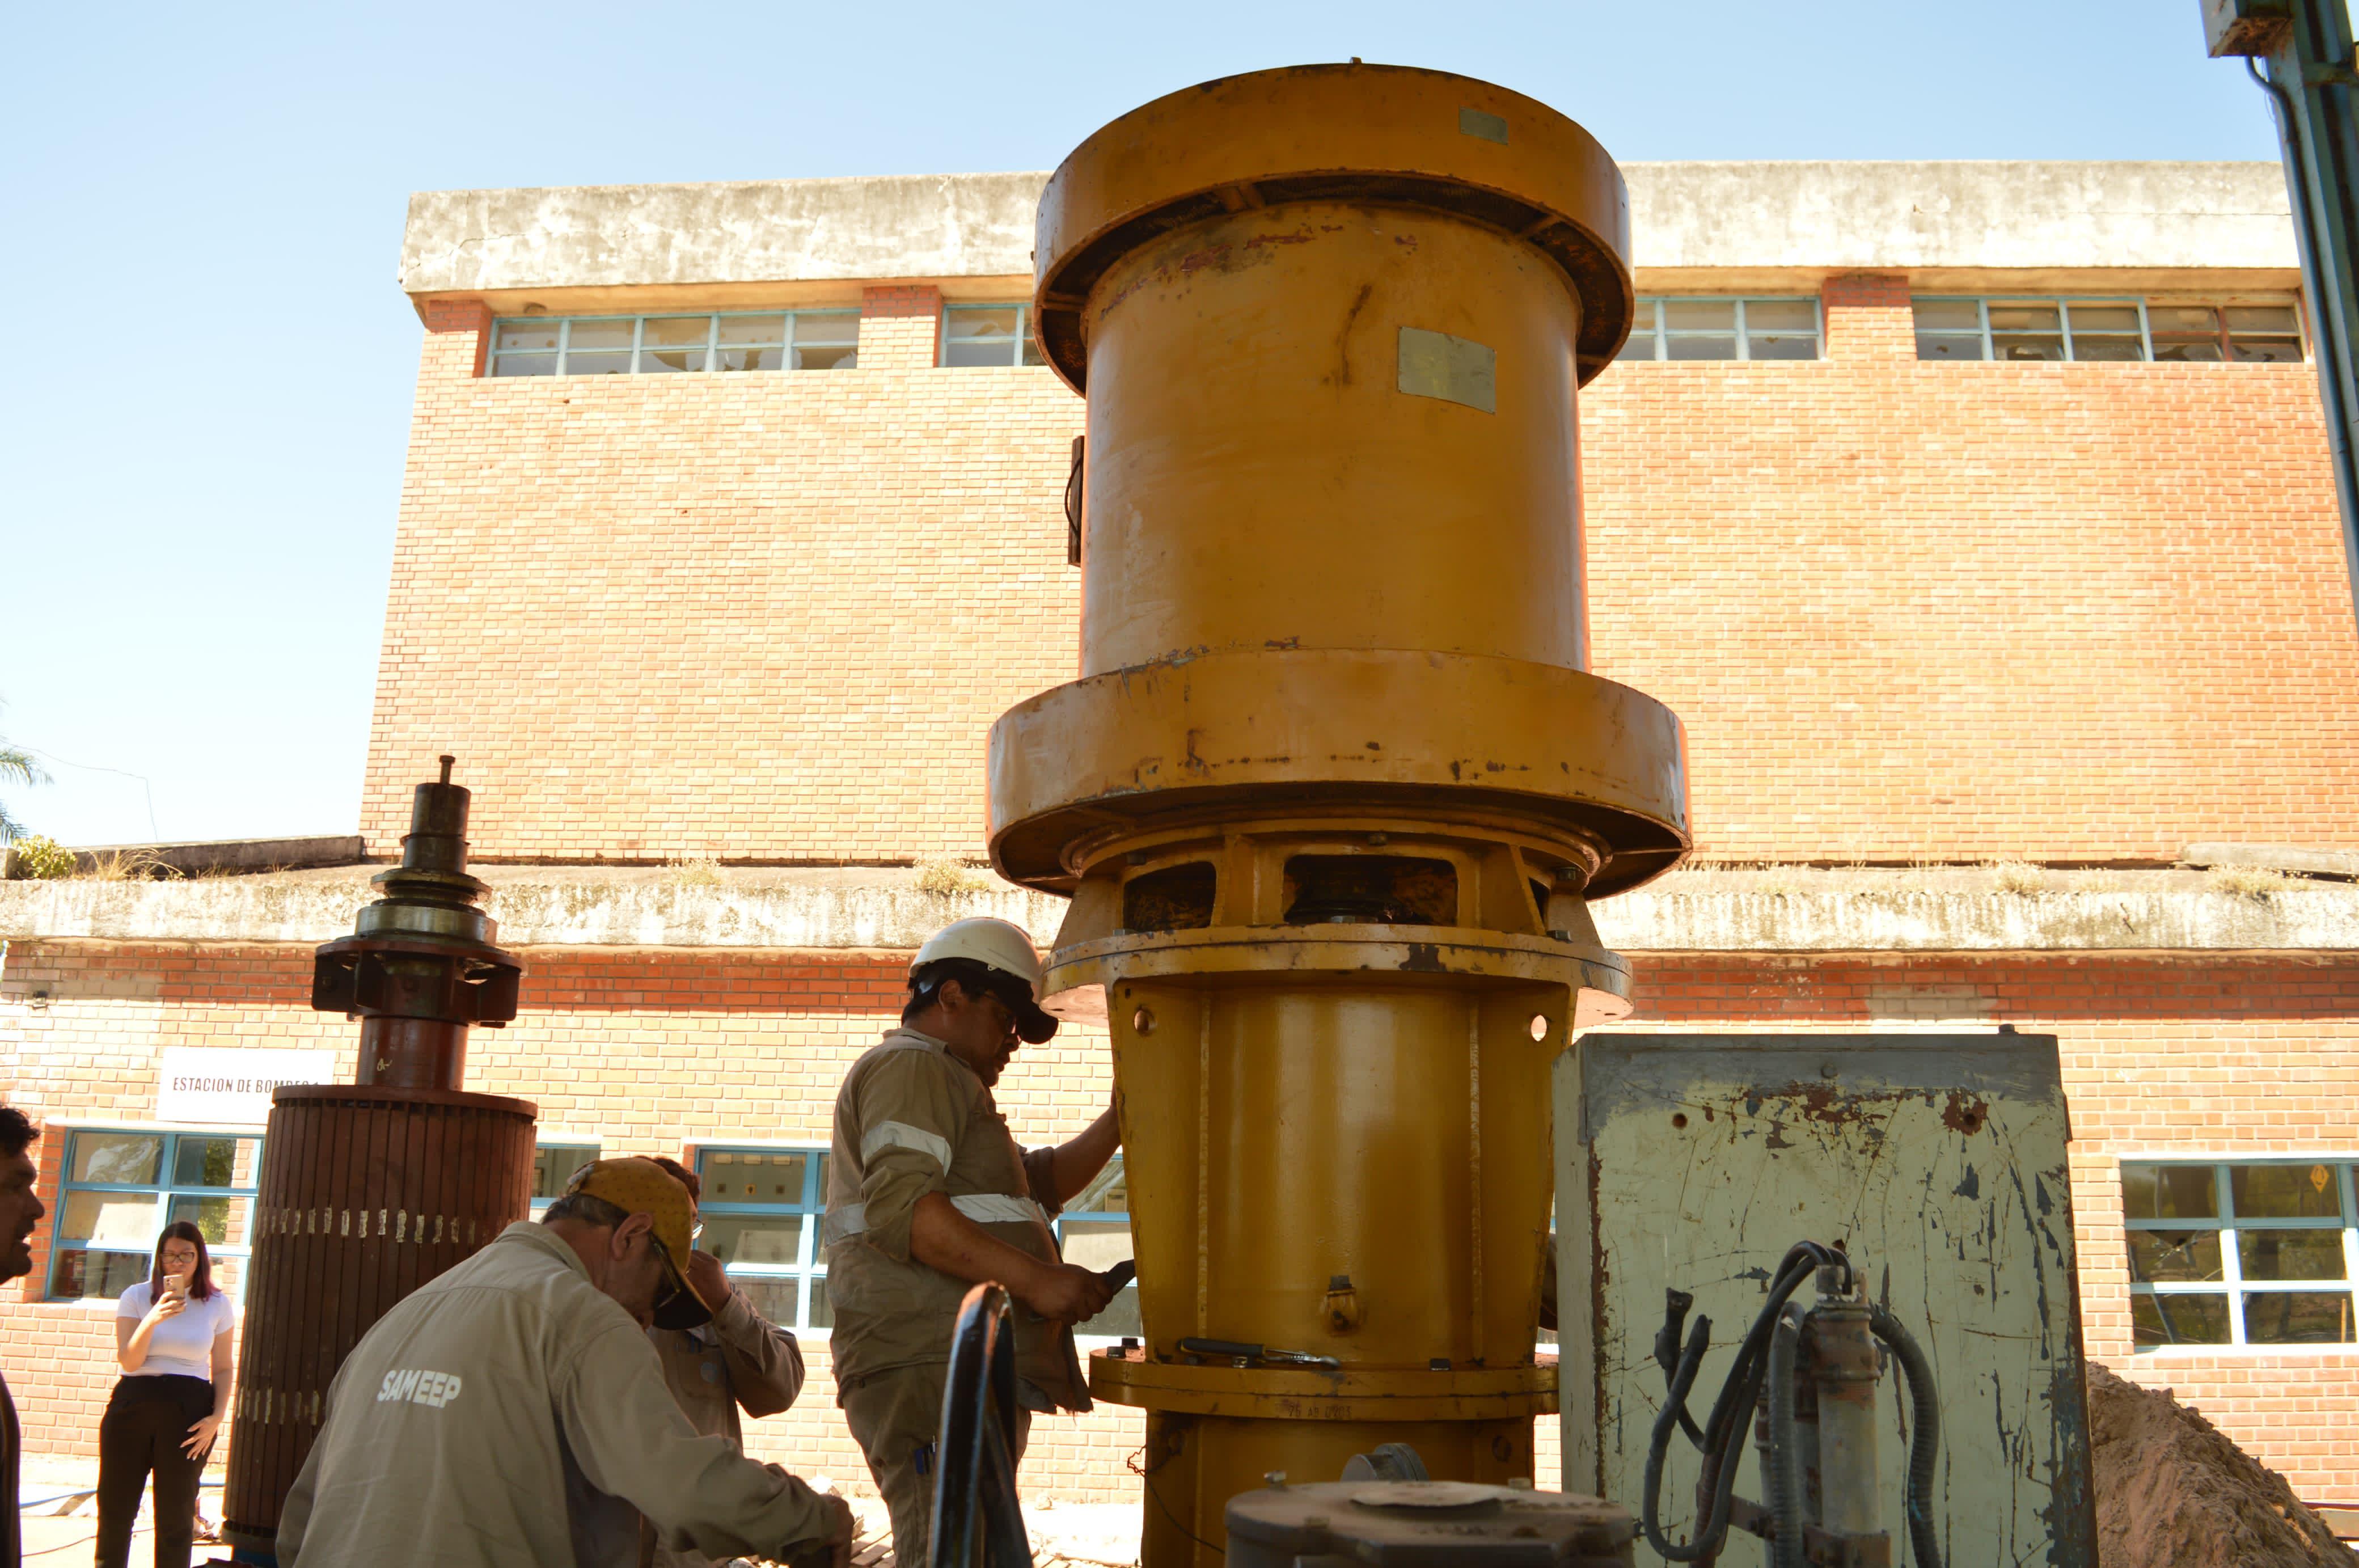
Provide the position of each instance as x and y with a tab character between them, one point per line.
2185	332
738	358
2024	332
673	343
524	365
981	335
2168	1192
827	340
2297	1317
2179	1318
2187	1255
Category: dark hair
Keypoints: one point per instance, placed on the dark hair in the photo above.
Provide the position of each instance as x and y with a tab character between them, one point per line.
681	1174
587	1207
200	1283
973	975
17	1130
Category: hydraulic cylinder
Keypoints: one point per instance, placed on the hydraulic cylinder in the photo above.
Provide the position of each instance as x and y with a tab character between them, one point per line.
1335	789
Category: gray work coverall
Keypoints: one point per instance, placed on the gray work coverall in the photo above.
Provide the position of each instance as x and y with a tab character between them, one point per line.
740	1359
509	1413
912	1120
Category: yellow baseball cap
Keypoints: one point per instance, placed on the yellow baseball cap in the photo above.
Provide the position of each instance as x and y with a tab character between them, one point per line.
640	1186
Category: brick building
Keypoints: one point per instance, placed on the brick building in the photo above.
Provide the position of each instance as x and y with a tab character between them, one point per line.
1974	519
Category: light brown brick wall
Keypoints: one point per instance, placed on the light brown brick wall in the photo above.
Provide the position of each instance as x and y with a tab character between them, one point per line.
1907	611
654	1051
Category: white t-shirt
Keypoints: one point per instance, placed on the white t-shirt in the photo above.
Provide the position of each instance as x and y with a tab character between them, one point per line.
181	1346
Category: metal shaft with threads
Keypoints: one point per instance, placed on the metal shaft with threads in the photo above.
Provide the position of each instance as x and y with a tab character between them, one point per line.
1335	790
371	1189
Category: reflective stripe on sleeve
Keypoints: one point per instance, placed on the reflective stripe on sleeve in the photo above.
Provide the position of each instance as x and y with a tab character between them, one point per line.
984	1208
843	1220
901	1134
988	1207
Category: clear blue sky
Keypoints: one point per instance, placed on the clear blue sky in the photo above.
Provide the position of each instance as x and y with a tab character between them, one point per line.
201	435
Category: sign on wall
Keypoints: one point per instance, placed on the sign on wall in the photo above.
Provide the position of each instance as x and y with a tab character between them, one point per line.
230	1086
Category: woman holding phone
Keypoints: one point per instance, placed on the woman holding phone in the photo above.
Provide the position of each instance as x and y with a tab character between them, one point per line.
173	1339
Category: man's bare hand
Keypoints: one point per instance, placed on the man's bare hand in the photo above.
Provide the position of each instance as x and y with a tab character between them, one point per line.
1065	1293
708	1278
831	1549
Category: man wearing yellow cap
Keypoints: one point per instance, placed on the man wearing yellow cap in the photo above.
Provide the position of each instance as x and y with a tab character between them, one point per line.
929	1194
511	1412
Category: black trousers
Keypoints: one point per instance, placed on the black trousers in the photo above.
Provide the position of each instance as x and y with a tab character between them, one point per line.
146	1421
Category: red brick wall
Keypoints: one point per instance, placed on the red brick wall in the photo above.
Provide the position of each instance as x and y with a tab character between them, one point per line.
1907	611
653	1051
761	616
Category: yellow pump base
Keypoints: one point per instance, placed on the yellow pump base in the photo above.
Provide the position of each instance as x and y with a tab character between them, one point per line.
1333	790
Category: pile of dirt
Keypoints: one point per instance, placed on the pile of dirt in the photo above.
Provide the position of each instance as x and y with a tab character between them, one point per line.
2173	1493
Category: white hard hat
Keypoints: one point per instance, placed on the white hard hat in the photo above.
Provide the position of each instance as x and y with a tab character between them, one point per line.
1003	948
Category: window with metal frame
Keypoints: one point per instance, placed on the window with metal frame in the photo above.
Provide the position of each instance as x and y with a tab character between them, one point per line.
691	345
761	1213
553	1165
1690	328
988	334
2260	1254
123	1188
2060	329
1093	1232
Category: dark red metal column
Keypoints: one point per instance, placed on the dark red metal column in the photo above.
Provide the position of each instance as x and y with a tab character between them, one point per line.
369	1191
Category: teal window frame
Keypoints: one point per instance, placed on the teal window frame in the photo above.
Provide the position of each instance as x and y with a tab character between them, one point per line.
2064	305
2241	1294
789	344
807	1271
1650	334
168	1191
546	1190
1022	352
1120	1320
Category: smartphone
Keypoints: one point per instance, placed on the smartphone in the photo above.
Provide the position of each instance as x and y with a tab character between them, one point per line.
1121	1274
176	1285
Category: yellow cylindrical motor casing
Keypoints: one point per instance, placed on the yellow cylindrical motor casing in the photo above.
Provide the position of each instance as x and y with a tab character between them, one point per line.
1378	518
1335	789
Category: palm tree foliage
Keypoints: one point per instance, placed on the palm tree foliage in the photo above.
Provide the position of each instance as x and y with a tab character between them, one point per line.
16	766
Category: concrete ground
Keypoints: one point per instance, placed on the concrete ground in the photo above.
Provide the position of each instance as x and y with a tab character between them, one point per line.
60	1513
60	1519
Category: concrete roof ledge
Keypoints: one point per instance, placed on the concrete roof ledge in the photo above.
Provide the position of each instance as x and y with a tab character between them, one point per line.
1769	910
1826	216
933	226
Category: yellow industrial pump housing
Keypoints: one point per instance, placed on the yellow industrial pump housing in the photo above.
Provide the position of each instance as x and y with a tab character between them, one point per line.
1335	789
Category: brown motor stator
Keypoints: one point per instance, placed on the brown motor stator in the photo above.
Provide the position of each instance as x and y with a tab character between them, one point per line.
370	1190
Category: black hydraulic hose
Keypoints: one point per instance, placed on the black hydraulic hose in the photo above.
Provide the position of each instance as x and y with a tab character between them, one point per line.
1658	1446
1723	1433
1778	1477
1925	1433
977	1516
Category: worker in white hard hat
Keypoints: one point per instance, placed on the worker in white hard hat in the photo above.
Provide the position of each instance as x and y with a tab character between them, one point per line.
928	1195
